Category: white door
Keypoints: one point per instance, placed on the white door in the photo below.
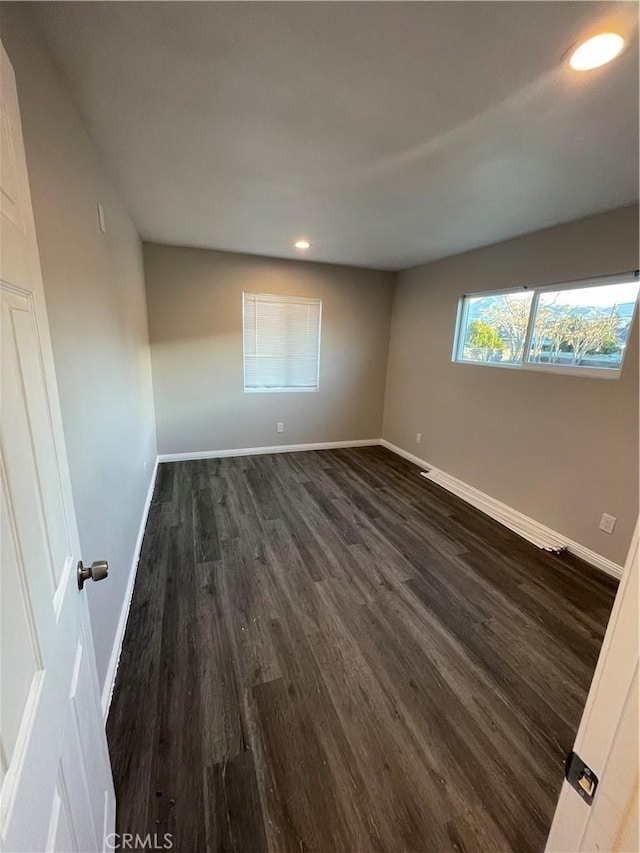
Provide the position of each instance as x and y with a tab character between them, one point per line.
608	739
57	790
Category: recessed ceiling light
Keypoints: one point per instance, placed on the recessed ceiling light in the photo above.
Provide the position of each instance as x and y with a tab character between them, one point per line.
596	51
302	244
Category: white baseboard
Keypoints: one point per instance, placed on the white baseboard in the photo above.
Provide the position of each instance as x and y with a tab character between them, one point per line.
603	563
541	535
405	454
110	678
536	532
259	451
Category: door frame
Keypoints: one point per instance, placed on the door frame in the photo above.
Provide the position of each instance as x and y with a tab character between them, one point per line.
601	721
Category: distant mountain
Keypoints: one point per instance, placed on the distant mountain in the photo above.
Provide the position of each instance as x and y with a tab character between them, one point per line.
479	307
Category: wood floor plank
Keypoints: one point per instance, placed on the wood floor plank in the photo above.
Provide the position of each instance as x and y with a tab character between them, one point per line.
304	797
222	725
233	814
132	721
327	652
178	803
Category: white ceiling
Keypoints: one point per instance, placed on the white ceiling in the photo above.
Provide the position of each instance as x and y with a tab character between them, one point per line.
387	133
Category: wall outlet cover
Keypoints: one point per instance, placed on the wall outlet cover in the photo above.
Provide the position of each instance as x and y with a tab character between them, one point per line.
607	523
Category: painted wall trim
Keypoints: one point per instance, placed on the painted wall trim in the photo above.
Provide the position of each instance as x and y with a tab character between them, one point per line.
536	532
114	660
541	535
258	451
405	454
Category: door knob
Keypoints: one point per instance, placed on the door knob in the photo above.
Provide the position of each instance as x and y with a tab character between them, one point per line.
98	571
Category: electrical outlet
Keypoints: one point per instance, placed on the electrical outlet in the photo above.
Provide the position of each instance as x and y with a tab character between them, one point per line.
101	222
607	523
279	427
418	438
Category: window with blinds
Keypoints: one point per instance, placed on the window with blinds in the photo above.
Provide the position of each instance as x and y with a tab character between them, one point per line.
281	340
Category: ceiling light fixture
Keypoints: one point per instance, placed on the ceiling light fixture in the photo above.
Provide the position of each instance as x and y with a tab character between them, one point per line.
596	51
302	244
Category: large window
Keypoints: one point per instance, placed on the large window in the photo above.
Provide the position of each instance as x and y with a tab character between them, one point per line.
578	327
281	339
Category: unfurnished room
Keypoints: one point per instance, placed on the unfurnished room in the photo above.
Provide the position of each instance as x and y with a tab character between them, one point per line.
319	448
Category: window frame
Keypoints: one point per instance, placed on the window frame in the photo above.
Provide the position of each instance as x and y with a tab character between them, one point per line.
537	290
280	389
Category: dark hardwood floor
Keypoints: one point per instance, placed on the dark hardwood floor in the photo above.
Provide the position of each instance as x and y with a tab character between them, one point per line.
327	652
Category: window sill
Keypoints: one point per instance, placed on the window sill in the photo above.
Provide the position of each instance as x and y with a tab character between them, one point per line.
562	370
281	390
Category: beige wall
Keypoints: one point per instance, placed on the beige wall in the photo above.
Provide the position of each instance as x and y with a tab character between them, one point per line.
561	449
96	304
195	322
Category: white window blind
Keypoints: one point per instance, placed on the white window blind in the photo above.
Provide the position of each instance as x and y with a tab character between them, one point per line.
281	338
